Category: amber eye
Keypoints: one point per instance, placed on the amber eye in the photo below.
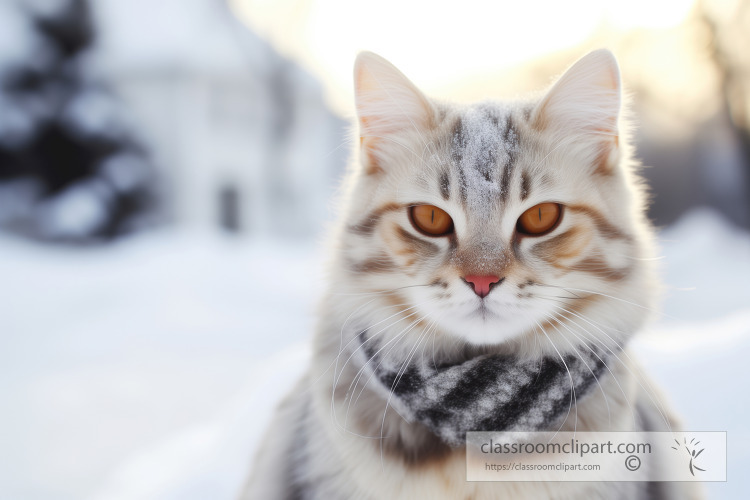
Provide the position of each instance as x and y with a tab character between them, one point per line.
539	219
431	220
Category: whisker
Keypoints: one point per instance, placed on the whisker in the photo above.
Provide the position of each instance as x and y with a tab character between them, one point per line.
430	326
643	259
585	335
346	142
372	326
649	391
611	297
400	374
337	379
606	400
341	339
359	374
341	342
341	349
593	338
382	292
572	386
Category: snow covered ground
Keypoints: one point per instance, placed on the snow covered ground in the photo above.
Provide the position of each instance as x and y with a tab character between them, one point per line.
148	369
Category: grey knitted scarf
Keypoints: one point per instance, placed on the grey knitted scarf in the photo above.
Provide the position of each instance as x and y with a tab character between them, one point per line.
486	393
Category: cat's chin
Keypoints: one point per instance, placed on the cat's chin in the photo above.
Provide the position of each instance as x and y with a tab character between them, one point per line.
484	327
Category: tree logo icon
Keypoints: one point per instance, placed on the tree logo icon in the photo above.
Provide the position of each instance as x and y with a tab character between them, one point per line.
692	451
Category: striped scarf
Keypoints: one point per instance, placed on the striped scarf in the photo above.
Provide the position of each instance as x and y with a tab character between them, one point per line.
486	393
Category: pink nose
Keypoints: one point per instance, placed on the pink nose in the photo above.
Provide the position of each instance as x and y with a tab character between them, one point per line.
482	284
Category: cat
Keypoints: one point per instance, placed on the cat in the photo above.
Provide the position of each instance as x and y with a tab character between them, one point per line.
479	245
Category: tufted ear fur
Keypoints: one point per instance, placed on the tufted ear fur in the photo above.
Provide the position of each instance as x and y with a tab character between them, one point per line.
388	104
585	102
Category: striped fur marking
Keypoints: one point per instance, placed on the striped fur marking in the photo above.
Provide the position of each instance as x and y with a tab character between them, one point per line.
601	269
565	245
605	228
416	244
525	186
367	225
445	186
381	263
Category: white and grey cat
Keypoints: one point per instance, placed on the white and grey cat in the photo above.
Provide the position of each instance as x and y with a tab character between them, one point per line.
492	261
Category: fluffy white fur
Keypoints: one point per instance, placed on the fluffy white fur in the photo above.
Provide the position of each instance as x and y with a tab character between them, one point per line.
334	432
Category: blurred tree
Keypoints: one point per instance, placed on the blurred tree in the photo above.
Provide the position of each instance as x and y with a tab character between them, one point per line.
728	25
68	168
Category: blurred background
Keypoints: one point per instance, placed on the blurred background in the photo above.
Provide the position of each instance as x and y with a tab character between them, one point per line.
168	169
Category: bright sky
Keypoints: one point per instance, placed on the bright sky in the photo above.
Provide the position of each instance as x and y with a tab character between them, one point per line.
438	44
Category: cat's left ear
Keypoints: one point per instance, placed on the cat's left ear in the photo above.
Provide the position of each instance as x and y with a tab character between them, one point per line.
585	101
388	104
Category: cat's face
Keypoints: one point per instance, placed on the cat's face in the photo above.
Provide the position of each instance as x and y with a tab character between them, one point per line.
497	222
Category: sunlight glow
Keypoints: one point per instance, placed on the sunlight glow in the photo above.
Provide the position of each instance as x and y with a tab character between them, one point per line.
437	44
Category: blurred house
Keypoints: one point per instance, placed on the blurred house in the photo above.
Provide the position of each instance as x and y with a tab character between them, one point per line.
242	136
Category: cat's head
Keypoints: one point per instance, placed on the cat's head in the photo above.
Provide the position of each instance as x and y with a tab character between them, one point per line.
499	221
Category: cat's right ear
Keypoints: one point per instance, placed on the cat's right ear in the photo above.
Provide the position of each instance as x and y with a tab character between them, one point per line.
388	104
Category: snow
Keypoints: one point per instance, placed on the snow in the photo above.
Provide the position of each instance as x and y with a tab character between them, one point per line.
111	353
479	151
148	369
